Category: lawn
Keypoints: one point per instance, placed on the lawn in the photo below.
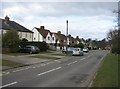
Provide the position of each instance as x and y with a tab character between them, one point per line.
48	51
44	57
10	63
107	75
22	54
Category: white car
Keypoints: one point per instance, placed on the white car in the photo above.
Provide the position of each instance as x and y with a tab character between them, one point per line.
77	51
85	49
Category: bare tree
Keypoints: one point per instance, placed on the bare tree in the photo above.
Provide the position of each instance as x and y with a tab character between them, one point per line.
114	35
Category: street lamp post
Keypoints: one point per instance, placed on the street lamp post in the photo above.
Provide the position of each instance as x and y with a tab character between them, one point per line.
66	34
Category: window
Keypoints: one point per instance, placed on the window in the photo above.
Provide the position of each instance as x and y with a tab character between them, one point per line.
26	35
30	35
21	34
53	38
48	38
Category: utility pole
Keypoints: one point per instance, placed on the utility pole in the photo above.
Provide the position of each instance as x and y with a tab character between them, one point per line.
66	34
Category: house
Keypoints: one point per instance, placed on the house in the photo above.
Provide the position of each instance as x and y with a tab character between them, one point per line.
77	40
59	40
55	41
22	31
41	34
70	41
83	41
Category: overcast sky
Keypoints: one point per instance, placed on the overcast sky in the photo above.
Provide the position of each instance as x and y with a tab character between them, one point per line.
86	19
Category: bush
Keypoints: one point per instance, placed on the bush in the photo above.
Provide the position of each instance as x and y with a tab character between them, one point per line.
79	45
11	40
41	45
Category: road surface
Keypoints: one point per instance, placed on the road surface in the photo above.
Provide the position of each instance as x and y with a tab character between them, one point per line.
72	71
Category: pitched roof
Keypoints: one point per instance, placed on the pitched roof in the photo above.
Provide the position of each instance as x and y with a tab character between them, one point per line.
77	39
13	25
43	32
60	36
71	38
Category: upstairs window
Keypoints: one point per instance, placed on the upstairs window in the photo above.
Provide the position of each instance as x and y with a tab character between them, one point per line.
53	38
48	38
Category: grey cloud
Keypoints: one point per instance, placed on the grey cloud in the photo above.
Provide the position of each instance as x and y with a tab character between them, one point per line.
67	8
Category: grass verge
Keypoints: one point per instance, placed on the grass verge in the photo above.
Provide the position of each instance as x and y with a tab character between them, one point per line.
10	63
48	51
22	54
44	57
107	75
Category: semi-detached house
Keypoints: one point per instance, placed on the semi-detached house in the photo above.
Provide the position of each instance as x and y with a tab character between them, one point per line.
41	34
23	32
60	40
54	40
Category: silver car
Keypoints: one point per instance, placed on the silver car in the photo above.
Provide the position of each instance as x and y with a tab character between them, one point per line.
77	52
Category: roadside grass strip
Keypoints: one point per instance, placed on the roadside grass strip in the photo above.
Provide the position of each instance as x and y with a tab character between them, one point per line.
107	75
44	57
44	52
11	63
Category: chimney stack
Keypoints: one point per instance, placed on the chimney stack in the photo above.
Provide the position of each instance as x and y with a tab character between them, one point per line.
77	37
42	27
59	32
69	35
7	20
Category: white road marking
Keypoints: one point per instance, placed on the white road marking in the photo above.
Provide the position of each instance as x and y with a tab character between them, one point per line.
17	70
103	57
7	73
21	69
8	85
43	64
33	67
27	68
49	71
47	63
82	58
86	57
72	63
57	61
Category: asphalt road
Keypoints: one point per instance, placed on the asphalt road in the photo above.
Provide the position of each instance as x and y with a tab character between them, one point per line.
73	71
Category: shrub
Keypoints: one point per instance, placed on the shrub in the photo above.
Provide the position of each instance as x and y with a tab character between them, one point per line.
11	40
80	45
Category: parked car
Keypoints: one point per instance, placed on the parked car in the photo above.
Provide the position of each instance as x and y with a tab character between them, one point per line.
30	49
77	52
85	50
69	51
